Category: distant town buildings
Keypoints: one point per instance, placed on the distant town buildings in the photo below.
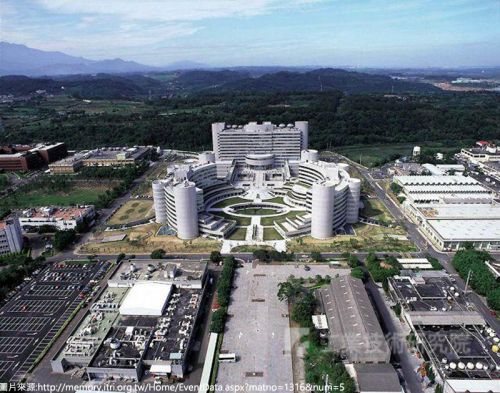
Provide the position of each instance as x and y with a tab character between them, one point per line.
11	238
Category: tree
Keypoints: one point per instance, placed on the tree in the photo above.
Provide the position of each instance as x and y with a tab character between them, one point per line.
261	255
438	389
215	257
158	254
63	239
358	272
396	188
303	309
120	257
287	290
218	320
352	260
316	256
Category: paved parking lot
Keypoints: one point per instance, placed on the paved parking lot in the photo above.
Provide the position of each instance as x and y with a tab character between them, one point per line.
257	330
12	345
30	320
35	306
12	324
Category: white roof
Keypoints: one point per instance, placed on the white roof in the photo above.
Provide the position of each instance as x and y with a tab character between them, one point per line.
160	369
146	298
474	385
475	211
430	180
467	230
320	322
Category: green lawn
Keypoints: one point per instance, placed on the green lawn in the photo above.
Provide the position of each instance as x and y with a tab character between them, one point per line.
241	221
271	234
268	221
373	155
257	211
239	234
73	196
374	208
229	201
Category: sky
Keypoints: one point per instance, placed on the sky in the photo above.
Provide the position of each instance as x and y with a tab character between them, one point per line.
353	33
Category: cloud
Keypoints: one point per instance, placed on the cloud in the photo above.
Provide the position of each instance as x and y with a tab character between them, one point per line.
172	10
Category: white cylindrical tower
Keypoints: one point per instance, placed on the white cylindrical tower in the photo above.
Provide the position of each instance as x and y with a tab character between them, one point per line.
303	126
313	155
353	197
159	201
206	157
186	210
322	210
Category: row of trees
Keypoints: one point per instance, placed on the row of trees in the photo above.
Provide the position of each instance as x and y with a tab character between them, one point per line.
481	279
264	255
224	287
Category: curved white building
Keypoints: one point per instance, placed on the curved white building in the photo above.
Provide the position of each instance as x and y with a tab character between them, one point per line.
258	161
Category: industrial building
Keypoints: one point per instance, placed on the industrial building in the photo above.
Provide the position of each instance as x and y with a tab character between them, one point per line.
105	156
450	226
452	335
60	218
353	328
11	237
483	152
144	320
452	210
443	189
27	157
258	163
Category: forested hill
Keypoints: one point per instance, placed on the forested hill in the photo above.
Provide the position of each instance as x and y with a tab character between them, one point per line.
183	83
335	119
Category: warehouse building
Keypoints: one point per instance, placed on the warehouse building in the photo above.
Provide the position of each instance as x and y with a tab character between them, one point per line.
353	328
11	237
450	226
258	163
145	320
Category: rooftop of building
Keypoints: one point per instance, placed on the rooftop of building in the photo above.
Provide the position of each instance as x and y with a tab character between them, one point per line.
58	213
467	229
435	180
428	291
465	211
464	352
160	269
262	127
110	153
377	378
353	324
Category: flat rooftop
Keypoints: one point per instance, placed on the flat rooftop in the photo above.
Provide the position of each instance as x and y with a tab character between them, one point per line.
59	213
435	180
467	230
461	351
432	291
462	211
171	270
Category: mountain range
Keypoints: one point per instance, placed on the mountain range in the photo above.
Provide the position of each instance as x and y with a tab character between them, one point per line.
18	59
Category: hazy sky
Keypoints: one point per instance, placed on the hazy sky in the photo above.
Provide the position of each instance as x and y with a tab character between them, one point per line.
387	33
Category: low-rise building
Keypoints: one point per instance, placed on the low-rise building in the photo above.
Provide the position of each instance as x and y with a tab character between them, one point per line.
59	217
452	336
145	320
353	328
450	226
11	237
119	156
26	157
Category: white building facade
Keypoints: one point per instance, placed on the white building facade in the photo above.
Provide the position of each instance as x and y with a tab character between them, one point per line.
11	237
258	162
